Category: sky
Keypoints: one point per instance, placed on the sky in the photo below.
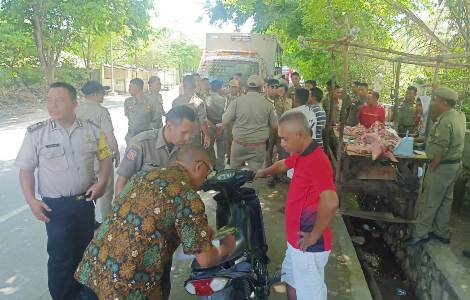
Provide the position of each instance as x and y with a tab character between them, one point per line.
183	15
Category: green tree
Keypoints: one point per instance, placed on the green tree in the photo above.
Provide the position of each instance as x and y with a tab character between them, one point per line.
288	19
56	24
389	24
16	53
167	49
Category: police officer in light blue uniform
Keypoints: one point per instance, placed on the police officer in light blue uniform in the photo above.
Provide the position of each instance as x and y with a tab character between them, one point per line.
63	149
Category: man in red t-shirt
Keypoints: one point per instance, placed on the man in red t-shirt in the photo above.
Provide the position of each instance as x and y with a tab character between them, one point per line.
371	111
310	207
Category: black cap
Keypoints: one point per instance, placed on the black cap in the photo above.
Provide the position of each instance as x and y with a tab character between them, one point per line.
92	87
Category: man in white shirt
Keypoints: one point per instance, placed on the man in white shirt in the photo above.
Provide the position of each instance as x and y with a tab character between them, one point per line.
300	104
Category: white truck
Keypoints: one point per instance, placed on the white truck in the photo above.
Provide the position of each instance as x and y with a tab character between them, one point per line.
247	53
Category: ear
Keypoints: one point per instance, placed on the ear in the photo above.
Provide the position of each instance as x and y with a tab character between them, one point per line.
169	126
197	167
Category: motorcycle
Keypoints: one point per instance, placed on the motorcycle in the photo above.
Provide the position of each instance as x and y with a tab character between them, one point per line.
243	274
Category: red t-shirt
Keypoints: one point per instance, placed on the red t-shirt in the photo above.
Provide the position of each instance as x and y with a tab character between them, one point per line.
312	175
368	114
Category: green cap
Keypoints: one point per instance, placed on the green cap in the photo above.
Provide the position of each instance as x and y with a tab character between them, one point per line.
446	93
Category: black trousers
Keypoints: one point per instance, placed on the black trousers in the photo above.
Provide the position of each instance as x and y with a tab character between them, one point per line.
69	231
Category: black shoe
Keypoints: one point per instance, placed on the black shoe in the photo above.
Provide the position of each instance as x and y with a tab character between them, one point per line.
466	253
433	236
412	241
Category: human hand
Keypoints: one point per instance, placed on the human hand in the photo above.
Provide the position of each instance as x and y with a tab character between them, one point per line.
260	174
307	239
117	159
95	191
37	208
229	243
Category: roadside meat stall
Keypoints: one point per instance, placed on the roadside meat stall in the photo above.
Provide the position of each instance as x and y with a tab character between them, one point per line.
386	186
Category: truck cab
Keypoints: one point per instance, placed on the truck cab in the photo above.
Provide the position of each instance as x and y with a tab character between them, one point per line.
230	53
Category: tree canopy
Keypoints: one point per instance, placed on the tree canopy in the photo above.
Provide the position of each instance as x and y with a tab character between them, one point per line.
388	24
76	26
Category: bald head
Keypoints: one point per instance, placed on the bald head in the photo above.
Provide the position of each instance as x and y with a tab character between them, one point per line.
189	154
195	160
295	121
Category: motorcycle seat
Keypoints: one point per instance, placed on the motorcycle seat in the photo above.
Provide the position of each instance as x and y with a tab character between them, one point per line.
240	247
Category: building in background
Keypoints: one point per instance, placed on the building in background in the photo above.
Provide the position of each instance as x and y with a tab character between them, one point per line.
123	74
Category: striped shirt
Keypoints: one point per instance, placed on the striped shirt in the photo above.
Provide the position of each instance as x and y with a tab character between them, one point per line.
321	122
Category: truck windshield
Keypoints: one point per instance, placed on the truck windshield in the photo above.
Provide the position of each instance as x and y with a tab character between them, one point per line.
225	69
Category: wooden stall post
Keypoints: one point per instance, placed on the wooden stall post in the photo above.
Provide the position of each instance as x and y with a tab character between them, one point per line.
435	82
339	153
396	90
330	95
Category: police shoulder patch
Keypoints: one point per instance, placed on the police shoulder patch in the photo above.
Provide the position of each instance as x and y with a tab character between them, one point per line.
36	126
131	154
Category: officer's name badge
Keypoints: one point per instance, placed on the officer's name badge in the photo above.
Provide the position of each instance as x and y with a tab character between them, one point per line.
131	154
52	145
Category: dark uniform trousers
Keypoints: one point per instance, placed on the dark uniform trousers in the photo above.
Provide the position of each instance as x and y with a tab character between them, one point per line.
69	232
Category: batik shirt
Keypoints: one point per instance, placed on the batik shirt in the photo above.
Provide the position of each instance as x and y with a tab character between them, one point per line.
156	211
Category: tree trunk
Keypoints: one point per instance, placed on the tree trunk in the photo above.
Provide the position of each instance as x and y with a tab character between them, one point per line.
46	56
49	71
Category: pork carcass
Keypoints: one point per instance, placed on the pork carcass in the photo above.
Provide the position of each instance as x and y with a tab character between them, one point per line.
377	140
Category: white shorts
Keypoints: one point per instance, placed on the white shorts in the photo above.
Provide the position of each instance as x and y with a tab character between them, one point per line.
305	271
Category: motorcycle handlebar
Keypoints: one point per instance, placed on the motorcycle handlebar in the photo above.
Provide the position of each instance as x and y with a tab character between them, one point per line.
235	182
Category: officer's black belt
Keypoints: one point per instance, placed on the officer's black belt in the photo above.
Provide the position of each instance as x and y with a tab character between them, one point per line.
81	197
450	162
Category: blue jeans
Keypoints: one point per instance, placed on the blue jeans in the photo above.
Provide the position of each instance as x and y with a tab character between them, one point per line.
69	231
